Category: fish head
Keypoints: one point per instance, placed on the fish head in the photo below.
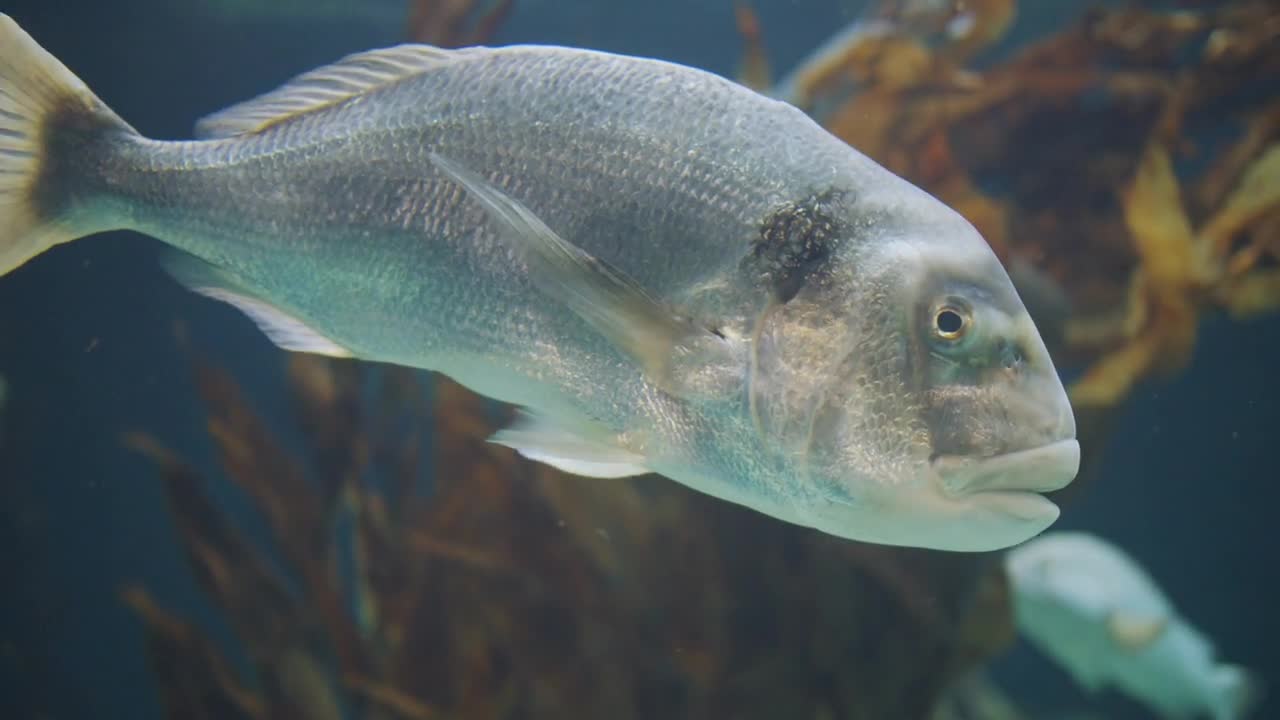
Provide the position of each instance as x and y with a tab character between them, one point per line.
909	384
1062	605
1052	569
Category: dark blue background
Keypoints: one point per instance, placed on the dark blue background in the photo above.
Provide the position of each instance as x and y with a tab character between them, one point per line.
86	344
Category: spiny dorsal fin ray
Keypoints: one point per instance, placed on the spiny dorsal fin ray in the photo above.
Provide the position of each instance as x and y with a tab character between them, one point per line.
323	87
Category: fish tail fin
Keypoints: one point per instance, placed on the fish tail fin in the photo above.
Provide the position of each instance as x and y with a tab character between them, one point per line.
1239	689
47	117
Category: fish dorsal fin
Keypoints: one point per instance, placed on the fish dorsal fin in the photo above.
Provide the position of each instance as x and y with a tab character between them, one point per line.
546	441
323	87
1133	632
280	327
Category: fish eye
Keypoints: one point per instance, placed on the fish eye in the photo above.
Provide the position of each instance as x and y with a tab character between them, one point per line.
951	322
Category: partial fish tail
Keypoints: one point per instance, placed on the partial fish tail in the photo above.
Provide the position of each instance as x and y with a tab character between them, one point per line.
1239	692
47	117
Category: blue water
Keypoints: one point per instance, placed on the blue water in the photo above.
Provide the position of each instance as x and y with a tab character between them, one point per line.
86	344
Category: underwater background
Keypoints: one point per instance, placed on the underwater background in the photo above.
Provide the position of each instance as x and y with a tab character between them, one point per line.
97	344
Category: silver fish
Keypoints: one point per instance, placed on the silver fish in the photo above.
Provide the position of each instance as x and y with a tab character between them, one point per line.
669	272
1093	609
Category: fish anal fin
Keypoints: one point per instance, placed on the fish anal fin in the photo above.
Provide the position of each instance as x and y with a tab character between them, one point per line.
347	78
1135	632
546	441
283	329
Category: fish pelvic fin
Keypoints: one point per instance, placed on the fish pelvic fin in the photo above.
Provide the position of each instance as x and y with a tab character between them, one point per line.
280	326
1239	691
46	114
327	86
643	329
576	452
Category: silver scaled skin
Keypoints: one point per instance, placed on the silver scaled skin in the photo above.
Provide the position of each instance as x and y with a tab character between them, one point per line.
669	272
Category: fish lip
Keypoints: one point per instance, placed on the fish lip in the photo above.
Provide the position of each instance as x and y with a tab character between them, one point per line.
1040	469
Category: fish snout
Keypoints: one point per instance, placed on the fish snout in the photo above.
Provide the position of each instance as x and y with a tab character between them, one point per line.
1037	451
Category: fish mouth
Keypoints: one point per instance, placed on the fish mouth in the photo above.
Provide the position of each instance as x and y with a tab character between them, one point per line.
1023	472
966	504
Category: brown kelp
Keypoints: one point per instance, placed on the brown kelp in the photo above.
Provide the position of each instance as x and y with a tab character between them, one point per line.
417	571
456	23
1126	167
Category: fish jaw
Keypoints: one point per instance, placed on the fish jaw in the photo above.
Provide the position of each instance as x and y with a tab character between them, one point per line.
1041	469
959	504
980	522
926	518
1000	495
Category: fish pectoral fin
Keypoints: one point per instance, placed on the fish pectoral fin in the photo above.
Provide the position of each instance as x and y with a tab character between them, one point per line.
546	441
326	86
281	328
1134	632
642	328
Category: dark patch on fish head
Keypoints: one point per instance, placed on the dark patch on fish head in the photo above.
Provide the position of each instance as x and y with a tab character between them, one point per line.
822	340
796	242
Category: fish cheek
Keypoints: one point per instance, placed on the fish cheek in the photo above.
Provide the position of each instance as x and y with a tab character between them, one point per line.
964	419
868	435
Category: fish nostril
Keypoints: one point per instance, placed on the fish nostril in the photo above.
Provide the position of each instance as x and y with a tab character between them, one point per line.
1012	358
1057	425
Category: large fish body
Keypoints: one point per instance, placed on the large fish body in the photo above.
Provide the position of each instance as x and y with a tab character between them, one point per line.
671	273
1094	610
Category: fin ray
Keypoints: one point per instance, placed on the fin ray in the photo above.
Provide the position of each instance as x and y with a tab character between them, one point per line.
281	328
37	95
549	442
323	87
606	298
